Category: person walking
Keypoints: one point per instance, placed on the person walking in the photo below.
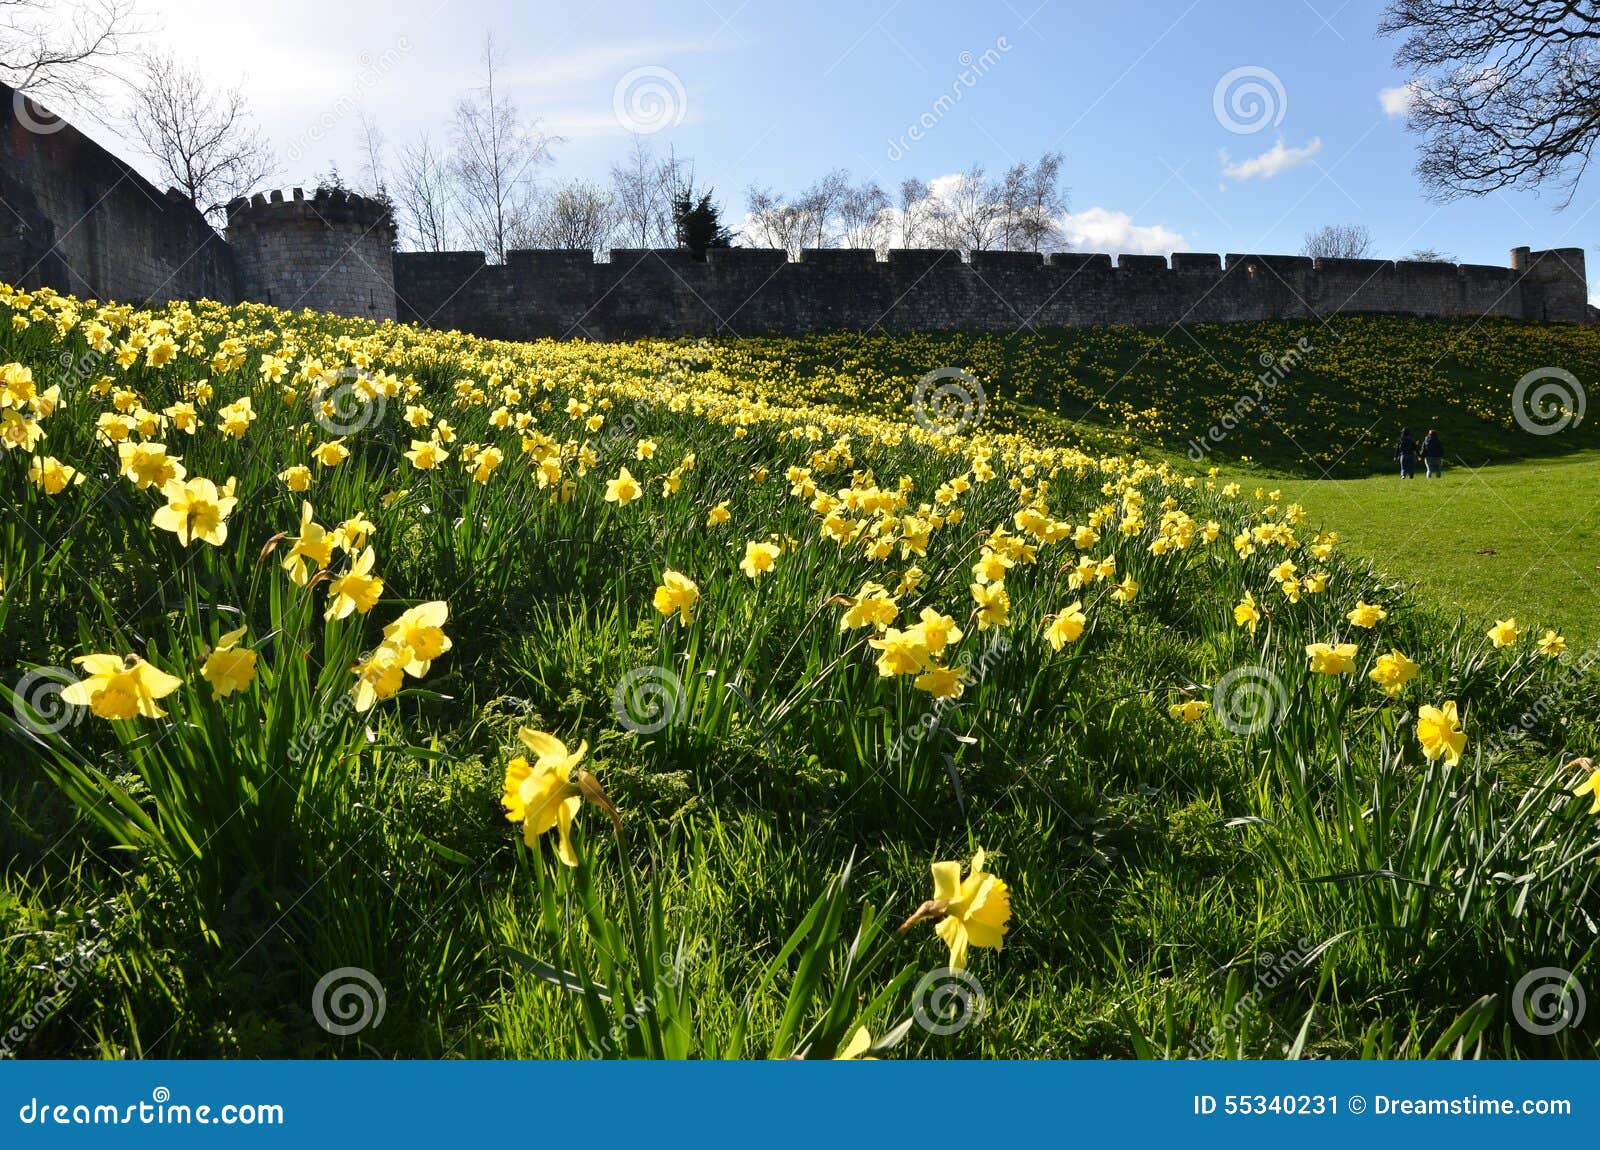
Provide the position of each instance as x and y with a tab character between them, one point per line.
1406	452
1433	454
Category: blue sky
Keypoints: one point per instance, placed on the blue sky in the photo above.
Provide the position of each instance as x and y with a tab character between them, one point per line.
776	94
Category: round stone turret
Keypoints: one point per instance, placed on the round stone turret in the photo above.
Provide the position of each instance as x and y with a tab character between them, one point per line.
333	252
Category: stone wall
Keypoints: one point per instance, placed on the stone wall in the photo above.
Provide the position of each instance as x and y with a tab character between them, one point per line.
76	218
745	291
333	252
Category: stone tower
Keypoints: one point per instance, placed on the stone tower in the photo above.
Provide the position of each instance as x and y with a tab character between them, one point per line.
1555	285
333	252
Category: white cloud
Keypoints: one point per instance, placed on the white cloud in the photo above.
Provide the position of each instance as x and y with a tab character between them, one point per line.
1278	158
1397	101
1104	230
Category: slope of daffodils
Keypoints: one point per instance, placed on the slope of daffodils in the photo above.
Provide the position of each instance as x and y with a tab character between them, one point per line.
373	691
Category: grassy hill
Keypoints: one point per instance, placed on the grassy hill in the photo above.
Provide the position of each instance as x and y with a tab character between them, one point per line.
1509	531
667	699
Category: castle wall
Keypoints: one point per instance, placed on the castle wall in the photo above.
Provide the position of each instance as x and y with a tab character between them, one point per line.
75	218
333	252
744	291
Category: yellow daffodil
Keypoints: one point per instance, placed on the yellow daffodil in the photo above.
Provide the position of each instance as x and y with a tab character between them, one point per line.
196	510
419	634
1066	626
677	593
229	668
976	911
356	590
1246	614
1439	731
541	795
120	687
1392	672
1332	658
759	558
1366	615
1504	632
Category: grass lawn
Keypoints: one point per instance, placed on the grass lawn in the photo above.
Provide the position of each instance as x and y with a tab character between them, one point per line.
1522	538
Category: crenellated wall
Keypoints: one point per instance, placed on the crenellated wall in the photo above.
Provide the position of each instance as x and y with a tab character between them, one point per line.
76	218
750	291
333	252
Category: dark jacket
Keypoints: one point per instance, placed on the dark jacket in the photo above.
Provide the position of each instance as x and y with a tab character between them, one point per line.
1432	448
1406	446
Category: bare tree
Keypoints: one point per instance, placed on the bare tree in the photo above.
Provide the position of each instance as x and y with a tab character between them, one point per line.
202	139
373	178
644	190
497	154
56	48
424	196
1036	204
969	215
1338	242
774	222
1504	92
818	206
1431	256
912	211
864	216
575	215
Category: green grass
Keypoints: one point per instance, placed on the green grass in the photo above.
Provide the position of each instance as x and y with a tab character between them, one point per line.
178	886
1520	538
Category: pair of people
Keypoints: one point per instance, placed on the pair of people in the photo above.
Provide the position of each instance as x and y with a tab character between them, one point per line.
1432	452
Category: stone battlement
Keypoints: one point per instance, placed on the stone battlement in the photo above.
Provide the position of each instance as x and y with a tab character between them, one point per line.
80	220
750	291
327	205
